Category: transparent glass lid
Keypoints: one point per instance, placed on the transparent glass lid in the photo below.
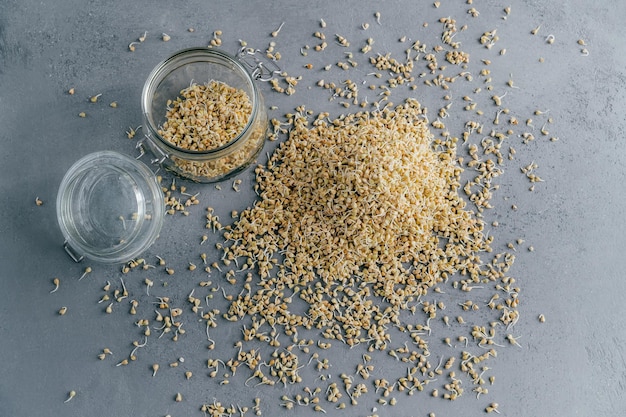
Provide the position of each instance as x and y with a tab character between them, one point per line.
109	207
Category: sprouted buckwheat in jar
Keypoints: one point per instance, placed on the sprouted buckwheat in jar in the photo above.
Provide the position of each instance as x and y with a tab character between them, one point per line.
204	115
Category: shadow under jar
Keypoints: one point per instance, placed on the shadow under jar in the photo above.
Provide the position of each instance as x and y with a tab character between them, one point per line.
171	133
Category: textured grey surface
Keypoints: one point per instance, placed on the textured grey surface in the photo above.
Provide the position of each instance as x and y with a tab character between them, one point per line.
574	364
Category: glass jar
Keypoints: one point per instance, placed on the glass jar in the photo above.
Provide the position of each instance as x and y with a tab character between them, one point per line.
110	208
201	66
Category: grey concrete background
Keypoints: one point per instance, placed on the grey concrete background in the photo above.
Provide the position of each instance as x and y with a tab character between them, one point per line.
574	364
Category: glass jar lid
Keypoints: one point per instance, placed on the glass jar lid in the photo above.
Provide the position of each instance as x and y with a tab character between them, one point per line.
110	208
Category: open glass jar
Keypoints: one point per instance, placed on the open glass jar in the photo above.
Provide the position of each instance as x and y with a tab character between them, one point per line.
110	208
165	84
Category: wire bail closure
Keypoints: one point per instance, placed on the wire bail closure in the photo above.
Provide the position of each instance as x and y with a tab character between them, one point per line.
76	257
158	155
261	68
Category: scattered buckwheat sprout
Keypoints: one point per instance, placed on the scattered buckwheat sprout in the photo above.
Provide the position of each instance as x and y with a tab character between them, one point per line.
106	351
493	407
363	224
57	283
70	396
86	272
277	31
130	133
216	41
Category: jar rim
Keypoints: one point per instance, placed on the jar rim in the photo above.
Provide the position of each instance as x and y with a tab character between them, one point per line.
160	72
